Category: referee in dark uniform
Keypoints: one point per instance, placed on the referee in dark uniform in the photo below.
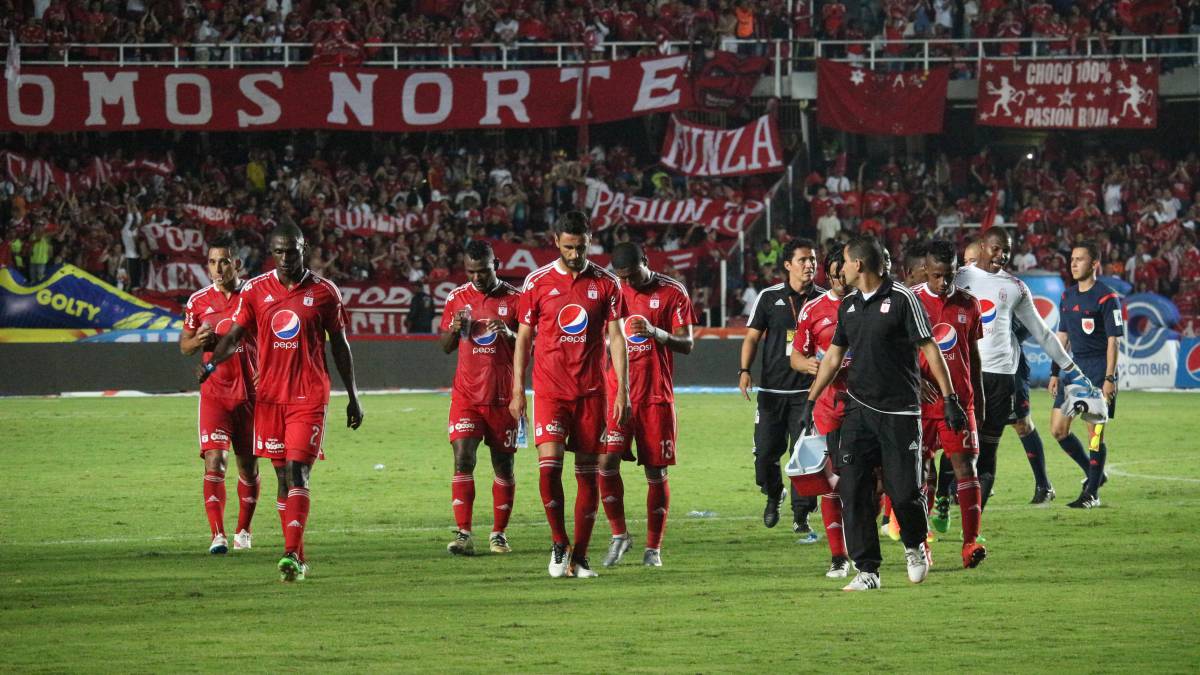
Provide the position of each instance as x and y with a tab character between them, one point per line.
883	326
781	390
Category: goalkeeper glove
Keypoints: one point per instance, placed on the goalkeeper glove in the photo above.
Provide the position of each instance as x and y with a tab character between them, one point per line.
956	419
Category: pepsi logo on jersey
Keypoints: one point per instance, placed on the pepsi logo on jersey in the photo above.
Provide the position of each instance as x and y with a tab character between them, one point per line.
285	324
946	338
573	320
987	311
636	343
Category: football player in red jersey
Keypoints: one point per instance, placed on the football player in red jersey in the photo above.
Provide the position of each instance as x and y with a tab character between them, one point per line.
226	399
660	323
815	326
479	322
572	304
292	311
957	328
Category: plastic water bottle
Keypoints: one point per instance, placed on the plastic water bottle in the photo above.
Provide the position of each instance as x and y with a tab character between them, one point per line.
522	439
464	327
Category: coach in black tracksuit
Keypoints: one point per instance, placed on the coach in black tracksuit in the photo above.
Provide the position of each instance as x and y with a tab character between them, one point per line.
781	390
882	325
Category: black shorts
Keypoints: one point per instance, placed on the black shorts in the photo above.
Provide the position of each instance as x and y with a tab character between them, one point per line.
777	423
998	395
1020	391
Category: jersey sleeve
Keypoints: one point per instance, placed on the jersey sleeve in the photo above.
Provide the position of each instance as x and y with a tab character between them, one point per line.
839	333
191	315
527	309
1114	318
758	313
333	314
616	303
916	320
448	311
802	341
683	314
243	315
1027	314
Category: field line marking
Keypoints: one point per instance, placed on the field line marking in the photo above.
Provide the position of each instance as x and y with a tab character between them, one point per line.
1114	470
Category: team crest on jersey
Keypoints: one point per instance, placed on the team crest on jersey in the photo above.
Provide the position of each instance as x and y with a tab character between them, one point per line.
308	301
1088	325
593	294
502	310
1003	295
885	306
654	303
962	318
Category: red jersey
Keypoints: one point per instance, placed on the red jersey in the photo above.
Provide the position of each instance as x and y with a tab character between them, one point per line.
292	324
956	324
664	304
484	373
815	326
233	379
570	315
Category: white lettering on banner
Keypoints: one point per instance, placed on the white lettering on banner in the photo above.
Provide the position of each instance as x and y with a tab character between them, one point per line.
706	151
408	109
568	74
658	91
104	91
271	110
360	99
203	89
1065	94
522	259
514	100
1154	371
42	117
171	239
763	145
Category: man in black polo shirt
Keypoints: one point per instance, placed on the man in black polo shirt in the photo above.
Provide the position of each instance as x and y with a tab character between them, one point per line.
884	326
781	390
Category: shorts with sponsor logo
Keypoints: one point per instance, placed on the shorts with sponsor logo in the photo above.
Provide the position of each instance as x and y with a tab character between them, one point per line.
652	427
226	424
579	423
935	433
493	423
289	431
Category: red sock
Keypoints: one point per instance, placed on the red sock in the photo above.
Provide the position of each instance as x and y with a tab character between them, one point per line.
550	483
885	504
214	501
658	503
296	517
831	515
247	501
969	506
612	495
587	498
281	507
462	493
503	492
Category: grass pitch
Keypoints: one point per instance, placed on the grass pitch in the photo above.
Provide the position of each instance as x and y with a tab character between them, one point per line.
103	562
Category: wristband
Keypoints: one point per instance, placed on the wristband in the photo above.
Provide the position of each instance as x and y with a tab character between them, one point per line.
209	367
743	370
1110	378
1054	369
659	334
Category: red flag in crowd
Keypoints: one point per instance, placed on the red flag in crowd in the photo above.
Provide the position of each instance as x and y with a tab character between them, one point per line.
869	102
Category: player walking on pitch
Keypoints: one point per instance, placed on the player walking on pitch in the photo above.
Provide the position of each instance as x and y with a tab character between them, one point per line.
1091	324
479	322
226	399
1003	299
659	324
957	328
573	305
814	333
292	311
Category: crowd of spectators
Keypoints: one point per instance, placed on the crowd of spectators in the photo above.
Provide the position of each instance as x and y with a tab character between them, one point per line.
1142	207
447	194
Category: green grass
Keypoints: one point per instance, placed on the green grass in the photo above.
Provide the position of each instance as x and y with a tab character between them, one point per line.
103	562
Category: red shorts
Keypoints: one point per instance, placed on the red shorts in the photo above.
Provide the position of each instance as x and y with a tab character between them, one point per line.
289	431
828	413
226	424
935	433
652	426
493	423
579	423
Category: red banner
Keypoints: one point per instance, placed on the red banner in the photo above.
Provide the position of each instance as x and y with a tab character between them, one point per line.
725	217
724	81
886	103
176	277
380	309
213	216
516	261
373	99
365	225
1061	94
177	243
700	150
